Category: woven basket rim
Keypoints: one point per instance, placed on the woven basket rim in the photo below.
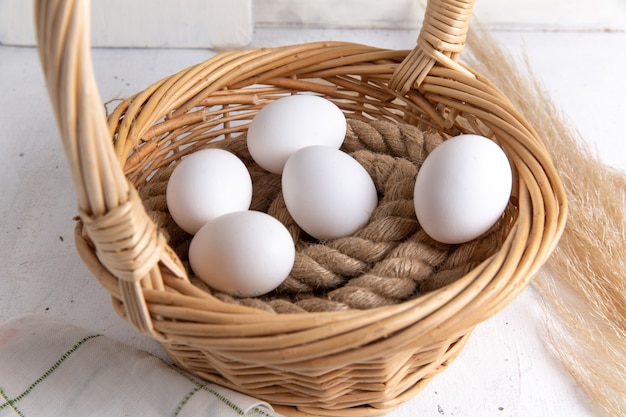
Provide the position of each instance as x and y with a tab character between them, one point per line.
466	283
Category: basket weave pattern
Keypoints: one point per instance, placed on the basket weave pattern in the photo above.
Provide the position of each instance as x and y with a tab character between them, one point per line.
337	360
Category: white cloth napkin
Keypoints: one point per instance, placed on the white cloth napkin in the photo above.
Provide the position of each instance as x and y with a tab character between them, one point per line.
48	369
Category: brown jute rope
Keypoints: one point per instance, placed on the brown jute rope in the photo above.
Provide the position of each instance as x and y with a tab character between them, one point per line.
386	262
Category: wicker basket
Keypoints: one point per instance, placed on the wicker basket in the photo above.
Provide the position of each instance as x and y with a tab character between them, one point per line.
336	363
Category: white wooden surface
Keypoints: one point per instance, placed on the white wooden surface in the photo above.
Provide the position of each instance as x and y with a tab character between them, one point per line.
146	23
504	371
573	15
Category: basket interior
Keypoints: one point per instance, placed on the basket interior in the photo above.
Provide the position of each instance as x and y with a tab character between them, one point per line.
391	259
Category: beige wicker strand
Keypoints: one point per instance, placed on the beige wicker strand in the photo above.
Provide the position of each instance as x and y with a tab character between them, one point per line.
305	356
441	40
126	240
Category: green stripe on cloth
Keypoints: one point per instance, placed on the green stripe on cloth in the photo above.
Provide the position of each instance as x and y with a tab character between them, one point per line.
52	369
261	412
63	358
199	386
204	387
184	401
13	407
234	407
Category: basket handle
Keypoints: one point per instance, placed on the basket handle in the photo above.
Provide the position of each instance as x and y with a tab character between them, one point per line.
441	41
120	231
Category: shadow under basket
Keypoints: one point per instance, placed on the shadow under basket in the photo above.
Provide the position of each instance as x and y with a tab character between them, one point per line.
363	322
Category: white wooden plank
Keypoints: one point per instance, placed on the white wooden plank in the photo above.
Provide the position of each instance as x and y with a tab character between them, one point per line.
553	15
213	24
357	14
565	15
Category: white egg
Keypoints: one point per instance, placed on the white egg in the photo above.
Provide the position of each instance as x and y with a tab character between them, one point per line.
291	123
245	253
327	192
205	185
462	188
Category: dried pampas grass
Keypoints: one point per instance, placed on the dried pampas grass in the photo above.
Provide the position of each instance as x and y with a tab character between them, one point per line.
583	286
